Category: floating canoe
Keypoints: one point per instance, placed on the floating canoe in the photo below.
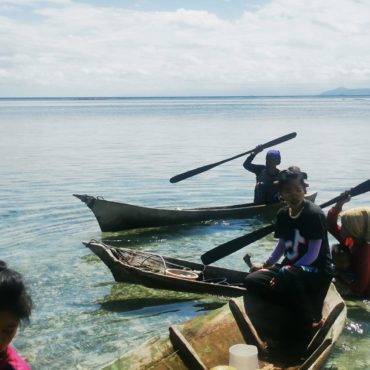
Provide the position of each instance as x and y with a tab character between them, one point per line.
160	272
204	341
114	216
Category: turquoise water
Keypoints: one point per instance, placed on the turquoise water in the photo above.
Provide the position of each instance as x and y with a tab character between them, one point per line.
126	150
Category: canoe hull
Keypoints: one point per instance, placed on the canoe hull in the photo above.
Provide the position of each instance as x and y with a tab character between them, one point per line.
125	266
114	216
153	271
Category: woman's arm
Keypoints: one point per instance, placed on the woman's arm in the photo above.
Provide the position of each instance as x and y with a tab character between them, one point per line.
276	254
313	250
332	223
249	166
332	218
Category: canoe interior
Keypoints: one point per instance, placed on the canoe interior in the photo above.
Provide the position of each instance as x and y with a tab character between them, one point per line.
115	216
161	272
208	337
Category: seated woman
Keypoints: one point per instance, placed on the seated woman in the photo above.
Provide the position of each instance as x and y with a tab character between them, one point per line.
352	256
304	276
15	306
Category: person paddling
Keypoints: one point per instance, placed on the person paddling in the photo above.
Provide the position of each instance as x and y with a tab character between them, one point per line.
265	191
352	256
302	279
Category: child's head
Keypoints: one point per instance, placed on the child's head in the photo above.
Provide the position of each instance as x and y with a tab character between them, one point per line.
356	223
15	304
341	257
291	184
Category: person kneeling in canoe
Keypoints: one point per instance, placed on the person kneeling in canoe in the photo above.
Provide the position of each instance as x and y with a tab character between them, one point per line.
266	191
303	278
352	256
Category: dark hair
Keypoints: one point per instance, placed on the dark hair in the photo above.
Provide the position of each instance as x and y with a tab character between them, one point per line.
13	293
293	173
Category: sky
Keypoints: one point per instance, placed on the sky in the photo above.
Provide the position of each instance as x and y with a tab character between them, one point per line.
80	48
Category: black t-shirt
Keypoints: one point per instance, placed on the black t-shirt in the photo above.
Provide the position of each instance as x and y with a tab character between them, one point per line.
311	224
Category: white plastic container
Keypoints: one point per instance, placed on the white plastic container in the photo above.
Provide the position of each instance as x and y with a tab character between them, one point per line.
243	357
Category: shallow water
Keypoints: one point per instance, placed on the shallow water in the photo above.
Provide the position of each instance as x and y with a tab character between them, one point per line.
126	150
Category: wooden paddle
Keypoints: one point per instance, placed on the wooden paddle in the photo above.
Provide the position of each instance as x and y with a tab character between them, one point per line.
196	171
232	246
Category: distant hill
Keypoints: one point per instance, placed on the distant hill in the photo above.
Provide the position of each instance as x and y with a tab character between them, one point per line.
344	91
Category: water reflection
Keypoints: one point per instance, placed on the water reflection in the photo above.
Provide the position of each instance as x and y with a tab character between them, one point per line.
131	297
140	237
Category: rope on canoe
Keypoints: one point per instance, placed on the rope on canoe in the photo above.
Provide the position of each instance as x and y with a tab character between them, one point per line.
217	280
120	255
155	255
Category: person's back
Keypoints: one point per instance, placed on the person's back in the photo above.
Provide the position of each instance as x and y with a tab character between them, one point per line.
352	256
266	176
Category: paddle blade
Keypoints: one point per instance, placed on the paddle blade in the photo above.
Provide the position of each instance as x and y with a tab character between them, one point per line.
197	171
279	140
232	246
357	190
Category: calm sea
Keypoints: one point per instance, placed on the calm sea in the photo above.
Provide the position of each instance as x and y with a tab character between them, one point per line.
126	150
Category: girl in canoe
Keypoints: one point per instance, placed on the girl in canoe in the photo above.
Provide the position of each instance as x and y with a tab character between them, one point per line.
15	306
303	278
352	256
266	191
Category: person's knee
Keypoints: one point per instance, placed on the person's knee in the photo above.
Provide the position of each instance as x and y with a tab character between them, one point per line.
250	281
255	281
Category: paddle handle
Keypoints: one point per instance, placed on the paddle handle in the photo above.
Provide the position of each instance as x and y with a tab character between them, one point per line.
196	171
357	190
232	246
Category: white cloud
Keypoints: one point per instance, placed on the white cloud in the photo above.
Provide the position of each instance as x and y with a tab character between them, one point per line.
285	47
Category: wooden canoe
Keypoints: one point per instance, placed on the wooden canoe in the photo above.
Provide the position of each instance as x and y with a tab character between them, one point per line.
114	216
204	341
160	272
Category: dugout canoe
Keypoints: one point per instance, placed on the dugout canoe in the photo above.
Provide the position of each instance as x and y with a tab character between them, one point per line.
161	272
115	216
204	341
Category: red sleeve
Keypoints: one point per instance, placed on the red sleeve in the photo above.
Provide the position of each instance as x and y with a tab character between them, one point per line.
332	223
361	269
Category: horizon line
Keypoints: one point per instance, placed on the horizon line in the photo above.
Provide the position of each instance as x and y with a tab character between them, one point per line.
180	96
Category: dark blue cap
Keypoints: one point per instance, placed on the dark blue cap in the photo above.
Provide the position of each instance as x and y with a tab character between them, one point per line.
273	153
